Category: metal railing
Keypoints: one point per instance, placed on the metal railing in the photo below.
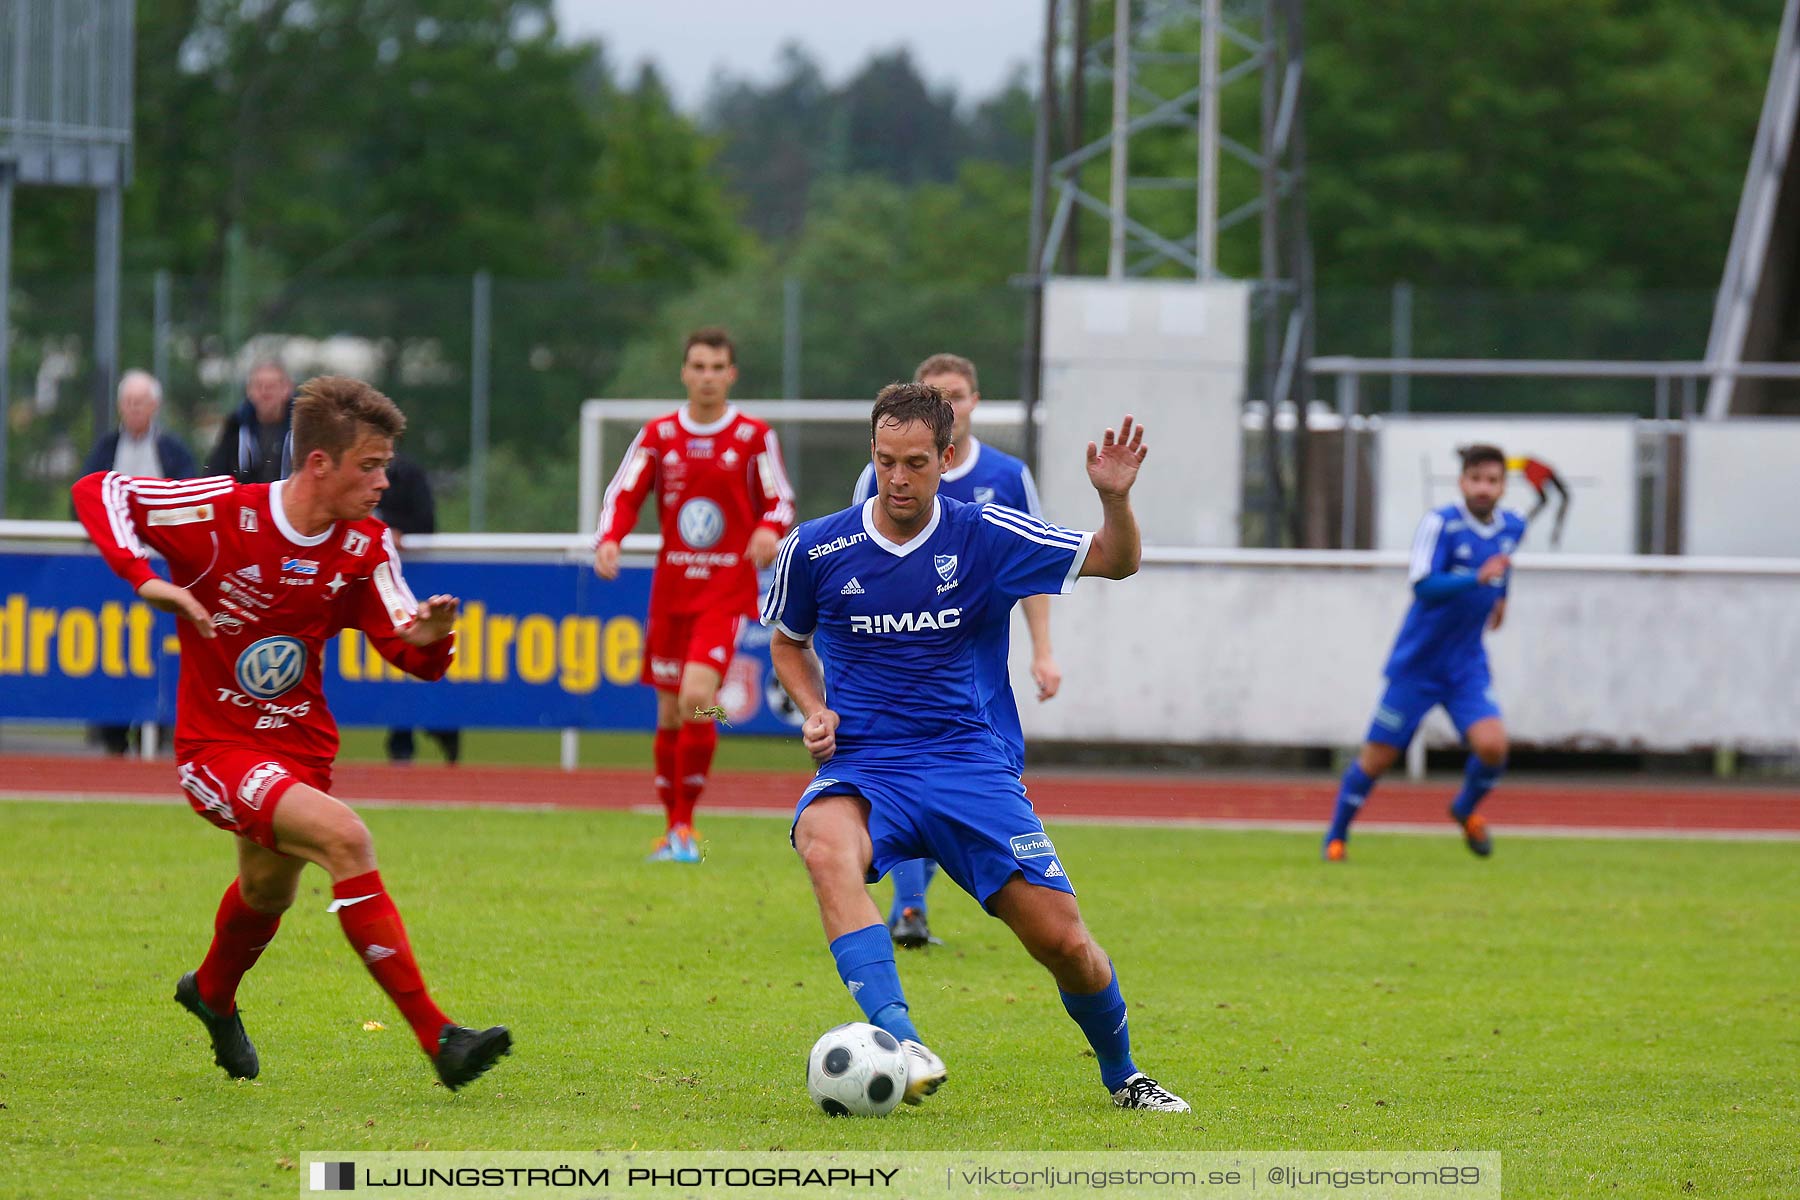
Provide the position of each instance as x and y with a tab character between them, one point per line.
1350	372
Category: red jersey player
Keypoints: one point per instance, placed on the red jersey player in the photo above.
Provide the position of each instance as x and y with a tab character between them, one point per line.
724	504
262	575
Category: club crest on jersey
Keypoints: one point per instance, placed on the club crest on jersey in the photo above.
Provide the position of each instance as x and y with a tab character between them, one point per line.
356	543
984	495
247	520
299	566
1033	845
256	784
946	566
271	667
702	523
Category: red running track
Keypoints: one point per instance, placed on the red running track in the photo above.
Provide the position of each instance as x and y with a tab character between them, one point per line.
1122	796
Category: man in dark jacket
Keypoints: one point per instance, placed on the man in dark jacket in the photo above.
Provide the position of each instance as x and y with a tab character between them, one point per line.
407	507
136	447
257	443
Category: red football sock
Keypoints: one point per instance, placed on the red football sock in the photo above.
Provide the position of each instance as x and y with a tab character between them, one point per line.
372	924
693	756
665	771
240	935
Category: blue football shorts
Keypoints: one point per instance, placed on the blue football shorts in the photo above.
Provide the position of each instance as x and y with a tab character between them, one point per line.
1405	702
967	812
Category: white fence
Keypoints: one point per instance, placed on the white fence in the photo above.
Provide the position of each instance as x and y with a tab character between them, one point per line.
1285	648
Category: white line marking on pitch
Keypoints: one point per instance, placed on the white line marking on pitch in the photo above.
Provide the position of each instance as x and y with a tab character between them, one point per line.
1229	824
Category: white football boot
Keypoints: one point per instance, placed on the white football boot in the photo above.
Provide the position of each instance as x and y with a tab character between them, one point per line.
1141	1091
925	1072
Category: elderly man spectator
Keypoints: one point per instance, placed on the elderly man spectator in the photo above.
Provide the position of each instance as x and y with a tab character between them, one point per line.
257	444
137	447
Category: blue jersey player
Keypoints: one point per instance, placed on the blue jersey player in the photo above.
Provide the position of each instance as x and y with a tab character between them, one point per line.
1461	566
906	600
982	475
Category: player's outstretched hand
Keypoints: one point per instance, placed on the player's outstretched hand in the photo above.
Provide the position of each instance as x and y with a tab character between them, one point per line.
763	545
606	560
160	593
432	623
1047	675
819	735
1112	466
1493	568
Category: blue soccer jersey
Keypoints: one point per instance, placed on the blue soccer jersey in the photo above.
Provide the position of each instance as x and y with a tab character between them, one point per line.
986	476
913	637
1440	640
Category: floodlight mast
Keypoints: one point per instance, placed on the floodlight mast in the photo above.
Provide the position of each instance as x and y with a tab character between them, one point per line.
1265	38
66	84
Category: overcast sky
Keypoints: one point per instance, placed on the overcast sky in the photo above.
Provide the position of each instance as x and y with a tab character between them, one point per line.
970	44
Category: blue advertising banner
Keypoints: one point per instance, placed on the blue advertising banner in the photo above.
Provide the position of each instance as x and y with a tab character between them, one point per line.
539	645
75	644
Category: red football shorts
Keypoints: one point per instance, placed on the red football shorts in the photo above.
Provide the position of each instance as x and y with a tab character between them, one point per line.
709	638
237	788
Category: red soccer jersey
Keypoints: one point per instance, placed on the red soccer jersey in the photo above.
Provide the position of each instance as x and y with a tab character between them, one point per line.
274	596
715	484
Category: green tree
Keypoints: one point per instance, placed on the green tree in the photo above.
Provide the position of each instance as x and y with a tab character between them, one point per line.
888	275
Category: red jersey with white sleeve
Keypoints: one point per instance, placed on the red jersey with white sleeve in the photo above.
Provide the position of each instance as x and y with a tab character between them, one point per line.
716	484
275	597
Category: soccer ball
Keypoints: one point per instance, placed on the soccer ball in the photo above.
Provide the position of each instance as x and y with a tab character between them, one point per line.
856	1070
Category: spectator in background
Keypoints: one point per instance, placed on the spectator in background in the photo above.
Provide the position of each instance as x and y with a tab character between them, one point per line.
257	443
136	447
407	507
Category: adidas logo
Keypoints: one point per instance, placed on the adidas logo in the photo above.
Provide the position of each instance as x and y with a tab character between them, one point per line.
375	954
853	588
252	572
855	986
1054	870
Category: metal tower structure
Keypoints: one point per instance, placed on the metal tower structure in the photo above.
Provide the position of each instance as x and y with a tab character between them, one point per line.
1181	74
65	121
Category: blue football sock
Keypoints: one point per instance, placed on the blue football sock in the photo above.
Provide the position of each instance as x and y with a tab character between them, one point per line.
865	962
1351	794
1478	781
911	878
1101	1016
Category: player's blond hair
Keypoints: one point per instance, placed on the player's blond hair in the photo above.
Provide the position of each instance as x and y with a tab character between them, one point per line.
331	410
948	364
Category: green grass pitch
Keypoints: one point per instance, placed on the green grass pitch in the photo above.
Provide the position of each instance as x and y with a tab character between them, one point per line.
1618	1018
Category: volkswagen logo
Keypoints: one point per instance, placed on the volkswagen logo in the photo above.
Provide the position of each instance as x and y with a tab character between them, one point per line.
271	667
702	524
